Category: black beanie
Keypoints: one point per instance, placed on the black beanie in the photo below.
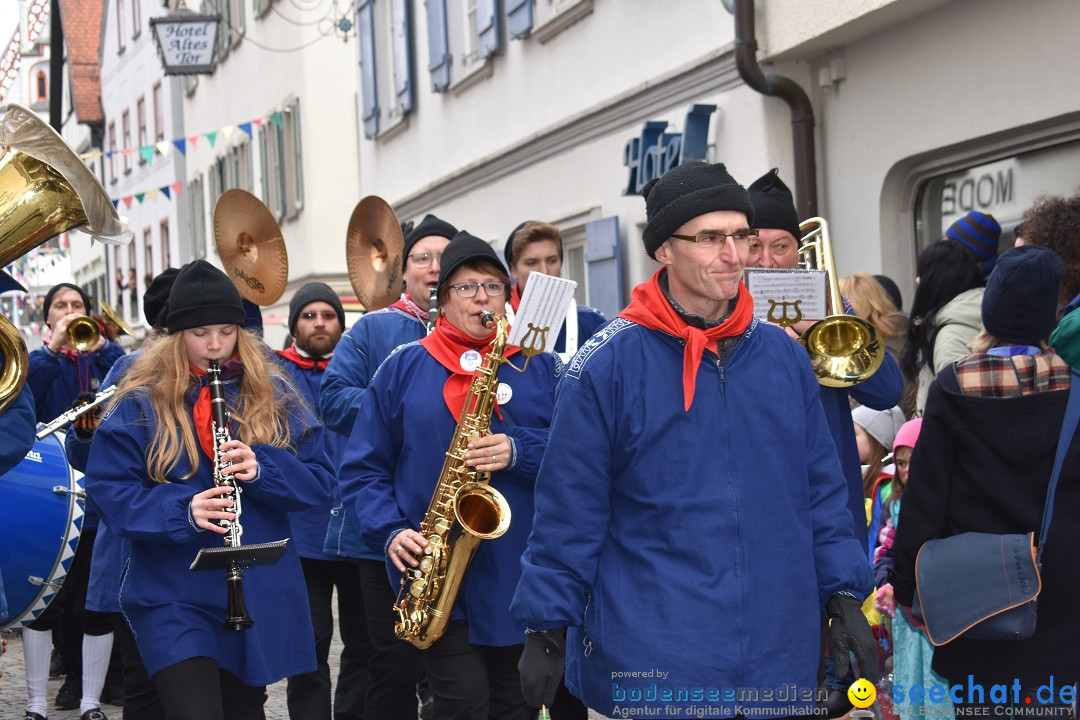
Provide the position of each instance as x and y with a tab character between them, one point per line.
65	286
203	295
891	290
685	192
430	225
774	208
464	249
314	292
1021	298
155	301
508	249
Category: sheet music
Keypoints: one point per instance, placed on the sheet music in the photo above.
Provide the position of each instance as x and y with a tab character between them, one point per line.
781	293
542	306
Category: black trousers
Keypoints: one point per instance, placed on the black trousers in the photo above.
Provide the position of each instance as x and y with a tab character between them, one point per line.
198	689
309	694
395	666
474	682
140	696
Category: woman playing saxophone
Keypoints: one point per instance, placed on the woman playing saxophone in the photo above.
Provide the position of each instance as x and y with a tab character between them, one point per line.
429	396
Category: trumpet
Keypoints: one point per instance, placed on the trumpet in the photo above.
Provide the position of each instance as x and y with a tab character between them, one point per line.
83	333
69	416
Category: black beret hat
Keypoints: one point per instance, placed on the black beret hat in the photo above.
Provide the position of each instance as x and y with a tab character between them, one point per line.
774	207
155	301
686	192
430	225
314	292
464	249
508	249
203	295
51	295
1021	298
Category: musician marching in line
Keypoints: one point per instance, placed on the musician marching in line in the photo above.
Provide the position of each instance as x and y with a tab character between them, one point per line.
17	419
316	322
392	468
395	667
685	504
154	465
536	246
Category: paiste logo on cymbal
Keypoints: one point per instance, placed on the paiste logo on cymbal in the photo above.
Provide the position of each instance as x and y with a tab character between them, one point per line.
252	282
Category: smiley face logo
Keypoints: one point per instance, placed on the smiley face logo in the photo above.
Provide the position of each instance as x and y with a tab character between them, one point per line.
862	693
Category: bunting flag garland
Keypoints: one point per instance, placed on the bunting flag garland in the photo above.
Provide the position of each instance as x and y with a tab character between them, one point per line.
165	191
181	145
147	151
212	136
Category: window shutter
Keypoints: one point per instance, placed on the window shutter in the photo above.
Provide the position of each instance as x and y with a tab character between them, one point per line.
519	18
438	46
403	65
365	30
487	26
603	262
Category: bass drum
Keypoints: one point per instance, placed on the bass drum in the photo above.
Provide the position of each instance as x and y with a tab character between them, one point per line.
41	514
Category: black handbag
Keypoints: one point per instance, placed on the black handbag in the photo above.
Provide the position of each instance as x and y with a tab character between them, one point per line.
984	586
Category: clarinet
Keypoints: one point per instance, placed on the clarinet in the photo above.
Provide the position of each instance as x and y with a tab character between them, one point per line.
237	618
433	309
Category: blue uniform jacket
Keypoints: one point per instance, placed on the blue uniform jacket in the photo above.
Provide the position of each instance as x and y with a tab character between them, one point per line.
55	379
310	526
357	357
176	613
17	428
395	455
704	544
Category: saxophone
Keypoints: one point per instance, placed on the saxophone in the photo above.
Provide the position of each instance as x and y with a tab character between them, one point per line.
464	510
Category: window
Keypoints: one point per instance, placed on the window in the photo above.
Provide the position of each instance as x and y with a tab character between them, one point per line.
112	151
148	253
554	16
231	29
261	6
231	170
197	217
159	113
166	251
282	163
462	36
573	267
136	18
119	26
125	123
140	112
42	82
386	63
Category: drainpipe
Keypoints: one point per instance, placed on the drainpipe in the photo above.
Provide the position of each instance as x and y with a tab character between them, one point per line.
802	112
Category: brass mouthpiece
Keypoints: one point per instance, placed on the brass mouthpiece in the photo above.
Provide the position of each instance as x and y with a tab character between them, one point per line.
487	318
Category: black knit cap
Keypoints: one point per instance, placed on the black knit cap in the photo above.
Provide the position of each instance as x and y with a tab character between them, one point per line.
314	292
464	249
430	225
203	295
685	192
1021	298
155	301
51	295
891	290
774	207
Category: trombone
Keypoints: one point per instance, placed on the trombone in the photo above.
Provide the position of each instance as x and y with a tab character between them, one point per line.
844	349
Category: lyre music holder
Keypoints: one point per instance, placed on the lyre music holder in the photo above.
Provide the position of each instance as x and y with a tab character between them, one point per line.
222	558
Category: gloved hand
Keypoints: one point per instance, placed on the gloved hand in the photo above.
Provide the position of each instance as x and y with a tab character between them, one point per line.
87	423
850	633
541	665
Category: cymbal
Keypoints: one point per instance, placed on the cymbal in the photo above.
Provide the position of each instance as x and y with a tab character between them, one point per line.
251	247
373	248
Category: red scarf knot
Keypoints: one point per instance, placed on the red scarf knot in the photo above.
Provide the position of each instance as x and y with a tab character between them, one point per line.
307	363
447	344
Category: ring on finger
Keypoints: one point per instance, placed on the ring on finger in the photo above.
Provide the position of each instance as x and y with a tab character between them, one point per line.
493	457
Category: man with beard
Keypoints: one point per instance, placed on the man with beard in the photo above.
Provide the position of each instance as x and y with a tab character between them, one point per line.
316	321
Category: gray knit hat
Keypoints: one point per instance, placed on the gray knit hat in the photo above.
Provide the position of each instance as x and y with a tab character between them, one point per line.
882	425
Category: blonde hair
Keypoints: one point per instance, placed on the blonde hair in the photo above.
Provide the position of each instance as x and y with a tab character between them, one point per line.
872	304
163	375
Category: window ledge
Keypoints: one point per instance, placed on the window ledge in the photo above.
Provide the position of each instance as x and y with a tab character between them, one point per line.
474	74
562	20
398	124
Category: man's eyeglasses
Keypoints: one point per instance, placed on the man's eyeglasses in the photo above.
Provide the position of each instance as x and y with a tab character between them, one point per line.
423	260
715	238
468	290
326	315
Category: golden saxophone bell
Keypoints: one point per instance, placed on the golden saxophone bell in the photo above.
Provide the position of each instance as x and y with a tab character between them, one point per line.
83	333
14	362
844	350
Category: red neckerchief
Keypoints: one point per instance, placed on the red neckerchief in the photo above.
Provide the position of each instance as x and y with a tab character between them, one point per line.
649	308
307	363
447	344
515	297
202	415
406	304
82	369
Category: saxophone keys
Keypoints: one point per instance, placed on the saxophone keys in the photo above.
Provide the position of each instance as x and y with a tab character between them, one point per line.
417	587
442	525
426	563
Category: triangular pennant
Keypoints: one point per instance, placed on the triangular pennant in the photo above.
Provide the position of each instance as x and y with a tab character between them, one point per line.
178	189
151	194
181	145
276	119
246	127
116	203
165	191
147	152
163	148
140	196
258	122
127	201
194	140
128	151
227	130
212	136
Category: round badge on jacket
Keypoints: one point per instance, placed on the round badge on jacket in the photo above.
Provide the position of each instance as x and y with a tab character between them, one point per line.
504	393
470	360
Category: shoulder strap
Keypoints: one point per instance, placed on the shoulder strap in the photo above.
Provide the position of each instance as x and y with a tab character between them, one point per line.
1068	429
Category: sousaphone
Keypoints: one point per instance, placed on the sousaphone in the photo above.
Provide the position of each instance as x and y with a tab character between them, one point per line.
374	245
251	247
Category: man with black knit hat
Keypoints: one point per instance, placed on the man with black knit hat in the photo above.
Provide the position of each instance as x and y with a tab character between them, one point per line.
691	515
316	322
394	666
58	372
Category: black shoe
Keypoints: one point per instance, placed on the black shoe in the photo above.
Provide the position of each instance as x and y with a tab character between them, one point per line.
113	694
56	665
94	714
34	716
837	704
70	694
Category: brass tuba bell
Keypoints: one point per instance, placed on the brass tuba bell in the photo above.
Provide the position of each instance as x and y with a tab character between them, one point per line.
844	350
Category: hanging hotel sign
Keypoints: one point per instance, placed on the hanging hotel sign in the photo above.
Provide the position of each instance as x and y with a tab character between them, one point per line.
655	152
186	42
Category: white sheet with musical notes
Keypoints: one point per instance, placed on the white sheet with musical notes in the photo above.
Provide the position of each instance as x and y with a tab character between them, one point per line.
542	306
792	295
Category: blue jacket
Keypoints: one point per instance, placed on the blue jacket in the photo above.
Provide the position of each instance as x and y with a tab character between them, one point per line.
395	456
176	613
589	321
55	379
17	425
357	357
703	544
310	526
